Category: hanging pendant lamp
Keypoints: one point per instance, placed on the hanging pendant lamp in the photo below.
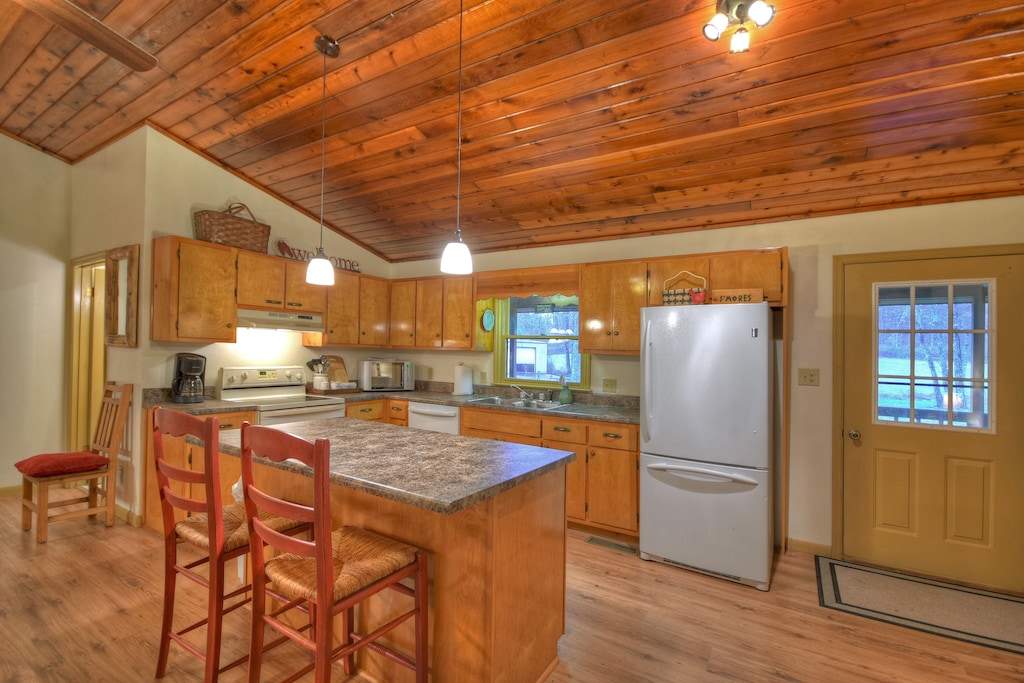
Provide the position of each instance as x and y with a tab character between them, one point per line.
320	271
456	259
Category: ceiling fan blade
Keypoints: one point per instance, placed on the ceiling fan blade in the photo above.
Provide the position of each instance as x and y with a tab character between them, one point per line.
92	30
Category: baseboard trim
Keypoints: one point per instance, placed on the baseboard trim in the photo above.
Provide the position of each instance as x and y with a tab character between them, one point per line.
797	546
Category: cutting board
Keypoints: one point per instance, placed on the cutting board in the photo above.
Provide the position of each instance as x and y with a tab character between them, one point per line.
337	371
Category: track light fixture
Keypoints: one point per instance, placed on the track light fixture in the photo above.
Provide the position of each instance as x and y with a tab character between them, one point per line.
456	259
738	12
320	271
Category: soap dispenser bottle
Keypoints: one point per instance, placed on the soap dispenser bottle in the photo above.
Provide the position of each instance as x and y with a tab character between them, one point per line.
565	395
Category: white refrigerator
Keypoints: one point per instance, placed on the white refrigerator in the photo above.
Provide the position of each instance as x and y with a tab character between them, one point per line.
706	443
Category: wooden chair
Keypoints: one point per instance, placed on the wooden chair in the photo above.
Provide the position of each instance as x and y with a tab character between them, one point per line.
326	576
223	536
97	466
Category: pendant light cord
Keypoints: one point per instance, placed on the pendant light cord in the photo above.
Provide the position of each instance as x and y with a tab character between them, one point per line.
458	146
323	150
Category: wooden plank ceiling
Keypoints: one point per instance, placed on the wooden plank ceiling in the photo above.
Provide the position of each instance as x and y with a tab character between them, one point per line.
582	119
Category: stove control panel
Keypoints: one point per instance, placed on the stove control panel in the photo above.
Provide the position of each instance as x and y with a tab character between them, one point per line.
258	376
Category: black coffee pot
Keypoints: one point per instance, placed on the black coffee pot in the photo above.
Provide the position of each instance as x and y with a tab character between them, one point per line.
189	378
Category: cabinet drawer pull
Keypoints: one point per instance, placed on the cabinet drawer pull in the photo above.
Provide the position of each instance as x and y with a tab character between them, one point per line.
563	429
611	435
366	410
396	409
227	425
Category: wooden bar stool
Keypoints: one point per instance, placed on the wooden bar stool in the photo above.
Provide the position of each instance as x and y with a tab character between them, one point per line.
96	465
326	576
223	536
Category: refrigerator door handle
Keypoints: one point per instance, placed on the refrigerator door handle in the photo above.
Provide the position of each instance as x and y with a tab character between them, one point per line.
647	417
700	473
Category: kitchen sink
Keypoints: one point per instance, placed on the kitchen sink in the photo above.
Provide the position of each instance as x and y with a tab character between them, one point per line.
516	402
542	405
498	401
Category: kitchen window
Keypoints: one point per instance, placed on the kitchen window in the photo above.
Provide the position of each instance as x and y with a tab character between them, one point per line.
934	355
537	342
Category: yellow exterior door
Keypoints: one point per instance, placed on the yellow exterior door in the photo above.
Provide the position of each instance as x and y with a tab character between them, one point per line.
933	420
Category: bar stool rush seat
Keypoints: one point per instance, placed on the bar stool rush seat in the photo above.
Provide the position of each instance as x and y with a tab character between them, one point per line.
327	576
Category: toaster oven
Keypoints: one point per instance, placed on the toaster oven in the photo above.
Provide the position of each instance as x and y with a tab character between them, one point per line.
386	374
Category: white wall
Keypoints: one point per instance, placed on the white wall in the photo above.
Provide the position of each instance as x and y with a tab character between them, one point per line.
34	219
178	182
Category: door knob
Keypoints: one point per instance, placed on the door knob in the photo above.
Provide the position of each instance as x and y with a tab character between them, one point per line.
854	434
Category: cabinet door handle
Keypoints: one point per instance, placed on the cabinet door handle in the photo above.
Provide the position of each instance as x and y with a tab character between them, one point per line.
294	304
275	302
563	429
366	410
396	409
227	425
611	435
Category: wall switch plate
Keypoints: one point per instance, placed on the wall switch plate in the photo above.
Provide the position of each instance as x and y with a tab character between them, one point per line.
608	385
808	377
430	372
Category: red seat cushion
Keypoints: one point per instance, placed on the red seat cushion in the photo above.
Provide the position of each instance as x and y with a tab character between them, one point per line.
50	464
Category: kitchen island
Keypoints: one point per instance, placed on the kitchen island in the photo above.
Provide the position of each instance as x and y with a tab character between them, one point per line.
490	514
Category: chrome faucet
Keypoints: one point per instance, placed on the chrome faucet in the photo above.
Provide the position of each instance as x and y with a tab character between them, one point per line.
523	393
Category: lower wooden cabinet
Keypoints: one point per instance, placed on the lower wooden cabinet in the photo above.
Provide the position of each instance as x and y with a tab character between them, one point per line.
366	410
571	435
178	452
396	412
501	426
602	484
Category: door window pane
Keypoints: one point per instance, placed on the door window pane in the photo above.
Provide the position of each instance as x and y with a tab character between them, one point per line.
939	375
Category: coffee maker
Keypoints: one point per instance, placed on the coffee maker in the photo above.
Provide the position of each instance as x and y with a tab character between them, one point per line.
189	378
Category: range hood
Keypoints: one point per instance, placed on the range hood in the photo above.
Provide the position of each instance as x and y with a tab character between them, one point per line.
280	320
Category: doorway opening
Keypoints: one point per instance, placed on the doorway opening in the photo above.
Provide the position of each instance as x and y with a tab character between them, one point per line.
87	348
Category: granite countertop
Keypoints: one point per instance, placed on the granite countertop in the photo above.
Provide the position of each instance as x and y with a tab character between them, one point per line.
591	411
438	472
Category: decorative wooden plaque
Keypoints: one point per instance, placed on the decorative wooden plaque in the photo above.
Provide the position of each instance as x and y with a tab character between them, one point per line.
736	296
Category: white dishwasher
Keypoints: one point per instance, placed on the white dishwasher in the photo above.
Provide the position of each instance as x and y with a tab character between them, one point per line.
433	417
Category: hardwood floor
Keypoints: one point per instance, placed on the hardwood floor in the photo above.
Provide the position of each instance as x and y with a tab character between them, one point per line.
86	606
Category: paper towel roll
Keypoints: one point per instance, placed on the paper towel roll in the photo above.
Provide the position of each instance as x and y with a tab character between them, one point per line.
463	380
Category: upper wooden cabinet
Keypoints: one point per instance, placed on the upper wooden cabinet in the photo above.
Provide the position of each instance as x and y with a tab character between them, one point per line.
271	282
429	304
458	313
341	320
193	291
677	273
373	311
611	296
767	270
433	313
403	313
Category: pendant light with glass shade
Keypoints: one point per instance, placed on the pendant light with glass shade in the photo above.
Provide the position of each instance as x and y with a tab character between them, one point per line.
456	259
320	271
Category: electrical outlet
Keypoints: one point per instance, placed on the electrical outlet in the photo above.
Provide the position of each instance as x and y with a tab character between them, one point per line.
808	377
430	373
608	385
483	377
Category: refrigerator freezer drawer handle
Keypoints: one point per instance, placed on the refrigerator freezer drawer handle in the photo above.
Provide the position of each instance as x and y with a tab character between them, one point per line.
701	473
